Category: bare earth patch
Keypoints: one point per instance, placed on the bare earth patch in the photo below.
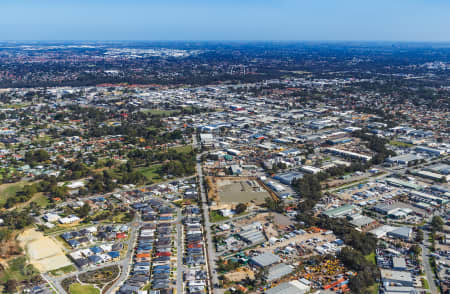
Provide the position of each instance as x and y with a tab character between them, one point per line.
240	191
44	252
240	275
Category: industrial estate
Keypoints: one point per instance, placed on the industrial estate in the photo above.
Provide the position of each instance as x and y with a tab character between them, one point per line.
212	168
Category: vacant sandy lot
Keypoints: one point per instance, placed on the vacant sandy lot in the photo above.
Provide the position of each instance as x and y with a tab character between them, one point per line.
240	275
44	252
241	191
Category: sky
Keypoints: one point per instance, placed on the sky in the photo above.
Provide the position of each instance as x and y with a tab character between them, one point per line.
293	20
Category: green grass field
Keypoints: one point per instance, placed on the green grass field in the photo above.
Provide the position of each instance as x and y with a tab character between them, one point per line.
83	289
10	190
63	270
151	173
373	289
42	200
216	217
400	144
182	149
371	257
161	112
425	283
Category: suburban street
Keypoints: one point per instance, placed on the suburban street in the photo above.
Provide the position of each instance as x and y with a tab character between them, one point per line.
126	262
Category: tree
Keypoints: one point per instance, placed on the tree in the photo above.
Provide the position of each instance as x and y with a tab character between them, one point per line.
84	210
437	223
419	236
367	271
38	155
11	286
273	205
415	249
240	208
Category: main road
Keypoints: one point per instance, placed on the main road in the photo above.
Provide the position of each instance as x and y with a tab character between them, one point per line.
426	264
210	250
180	252
207	224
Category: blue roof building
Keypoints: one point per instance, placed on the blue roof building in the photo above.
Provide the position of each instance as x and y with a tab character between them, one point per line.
96	249
114	254
95	259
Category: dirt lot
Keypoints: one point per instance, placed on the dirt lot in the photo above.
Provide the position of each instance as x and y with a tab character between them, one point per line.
44	253
240	191
240	274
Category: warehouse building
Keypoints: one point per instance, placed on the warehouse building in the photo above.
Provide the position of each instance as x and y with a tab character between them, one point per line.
404	159
252	236
427	198
341	211
403	233
293	287
264	260
399	290
349	154
392	210
391	277
278	271
361	221
288	178
432	151
404	184
399	264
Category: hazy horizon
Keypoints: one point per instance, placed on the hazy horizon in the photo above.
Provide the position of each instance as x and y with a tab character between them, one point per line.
233	20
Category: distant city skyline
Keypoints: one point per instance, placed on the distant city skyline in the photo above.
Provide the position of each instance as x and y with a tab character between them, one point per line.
202	20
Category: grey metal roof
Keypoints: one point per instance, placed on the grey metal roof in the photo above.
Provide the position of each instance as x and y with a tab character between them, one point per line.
287	288
265	259
398	262
278	271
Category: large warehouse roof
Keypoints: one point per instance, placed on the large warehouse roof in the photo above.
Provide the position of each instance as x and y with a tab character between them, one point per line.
293	287
265	259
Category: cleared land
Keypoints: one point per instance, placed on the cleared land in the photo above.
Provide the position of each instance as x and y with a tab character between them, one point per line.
241	191
240	274
44	253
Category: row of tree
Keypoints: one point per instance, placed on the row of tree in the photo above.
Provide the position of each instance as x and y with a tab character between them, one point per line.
376	144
